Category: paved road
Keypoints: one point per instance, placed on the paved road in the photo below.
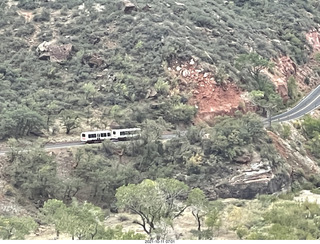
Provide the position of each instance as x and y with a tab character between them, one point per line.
305	106
79	143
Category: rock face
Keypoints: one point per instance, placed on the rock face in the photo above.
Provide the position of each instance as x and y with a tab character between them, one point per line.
260	185
211	99
128	6
247	177
284	69
313	37
305	75
250	175
53	52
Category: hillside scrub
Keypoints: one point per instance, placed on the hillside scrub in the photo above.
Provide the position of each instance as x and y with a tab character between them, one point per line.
78	65
123	55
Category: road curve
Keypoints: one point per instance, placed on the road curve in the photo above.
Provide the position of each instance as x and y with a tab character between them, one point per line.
305	106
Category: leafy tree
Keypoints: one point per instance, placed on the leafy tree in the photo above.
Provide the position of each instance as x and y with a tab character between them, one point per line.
79	220
162	86
199	207
55	212
15	228
270	103
89	90
310	126
229	136
253	63
70	120
100	176
34	172
85	219
154	201
292	88
20	122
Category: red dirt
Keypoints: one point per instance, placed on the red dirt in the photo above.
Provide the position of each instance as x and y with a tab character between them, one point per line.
278	145
313	37
210	99
285	68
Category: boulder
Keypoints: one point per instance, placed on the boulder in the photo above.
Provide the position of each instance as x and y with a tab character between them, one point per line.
128	6
93	60
243	159
53	52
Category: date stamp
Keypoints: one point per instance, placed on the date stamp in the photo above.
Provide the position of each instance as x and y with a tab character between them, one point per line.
160	241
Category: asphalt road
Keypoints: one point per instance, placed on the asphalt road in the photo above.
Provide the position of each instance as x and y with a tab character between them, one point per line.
305	106
79	143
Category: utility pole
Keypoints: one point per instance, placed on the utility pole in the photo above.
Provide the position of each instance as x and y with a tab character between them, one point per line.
269	112
269	116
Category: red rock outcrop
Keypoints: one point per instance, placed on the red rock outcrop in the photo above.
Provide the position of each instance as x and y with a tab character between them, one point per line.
313	37
210	98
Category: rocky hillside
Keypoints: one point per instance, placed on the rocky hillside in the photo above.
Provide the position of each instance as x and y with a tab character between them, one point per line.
107	61
212	68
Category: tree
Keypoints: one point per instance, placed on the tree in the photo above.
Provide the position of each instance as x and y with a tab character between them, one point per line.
270	103
84	220
19	122
154	201
199	207
79	220
15	228
101	176
89	90
205	213
70	120
34	172
55	212
253	63
292	88
51	110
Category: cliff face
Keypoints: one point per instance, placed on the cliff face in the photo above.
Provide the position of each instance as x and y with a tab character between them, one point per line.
306	75
210	98
250	175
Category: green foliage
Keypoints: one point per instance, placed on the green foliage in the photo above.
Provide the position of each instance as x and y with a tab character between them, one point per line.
118	234
204	212
285	132
311	128
100	176
137	51
317	57
154	201
70	120
16	228
253	63
292	88
265	100
288	221
83	221
19	122
229	136
34	172
55	212
78	220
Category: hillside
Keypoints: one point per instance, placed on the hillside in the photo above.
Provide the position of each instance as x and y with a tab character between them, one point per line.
213	68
